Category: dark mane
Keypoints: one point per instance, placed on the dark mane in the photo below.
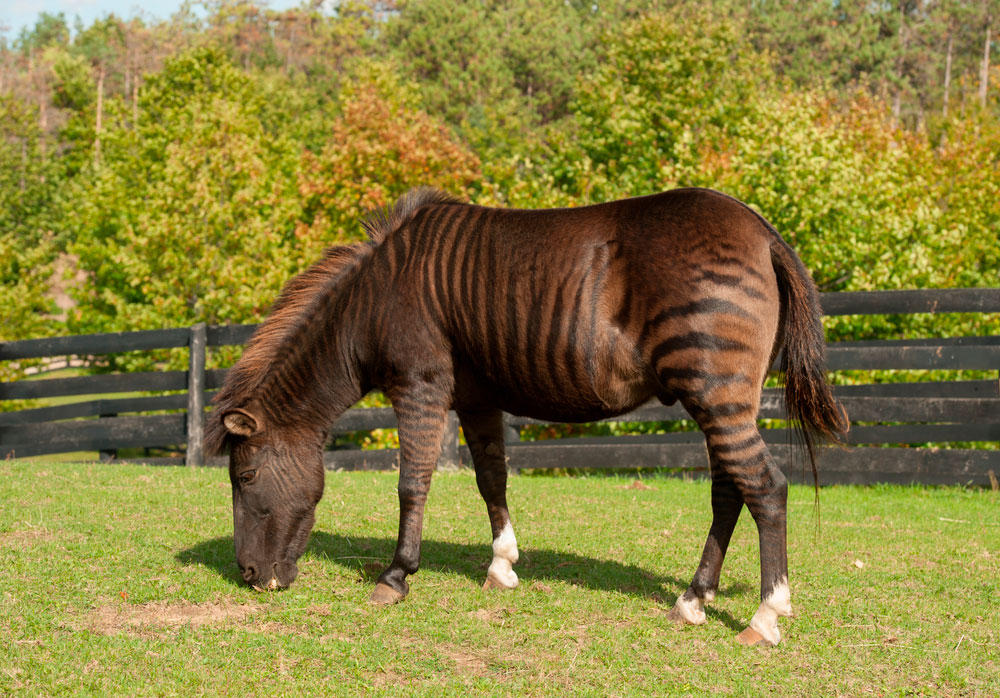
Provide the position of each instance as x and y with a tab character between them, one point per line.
383	221
283	334
292	315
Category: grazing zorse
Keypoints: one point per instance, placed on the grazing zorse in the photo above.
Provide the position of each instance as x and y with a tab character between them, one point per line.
568	315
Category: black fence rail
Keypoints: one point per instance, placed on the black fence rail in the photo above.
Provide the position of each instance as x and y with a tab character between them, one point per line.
888	419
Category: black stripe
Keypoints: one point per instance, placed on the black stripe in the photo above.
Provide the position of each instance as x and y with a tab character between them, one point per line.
746	443
625	312
670	376
398	244
512	353
470	271
731	464
477	297
457	276
595	296
727	429
741	263
552	340
729	281
446	245
531	356
425	234
572	365
491	304
721	409
695	340
701	307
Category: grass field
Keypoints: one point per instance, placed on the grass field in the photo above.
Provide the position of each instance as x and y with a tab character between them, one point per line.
121	580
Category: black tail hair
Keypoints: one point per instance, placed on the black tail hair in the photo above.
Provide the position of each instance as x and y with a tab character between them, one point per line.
816	413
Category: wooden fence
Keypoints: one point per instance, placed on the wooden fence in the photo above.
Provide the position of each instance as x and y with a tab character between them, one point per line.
897	414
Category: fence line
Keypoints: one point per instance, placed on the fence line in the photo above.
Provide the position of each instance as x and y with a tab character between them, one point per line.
942	412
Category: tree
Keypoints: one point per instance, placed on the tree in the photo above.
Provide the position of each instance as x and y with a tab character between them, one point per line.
103	44
492	69
191	216
679	100
667	84
27	188
381	146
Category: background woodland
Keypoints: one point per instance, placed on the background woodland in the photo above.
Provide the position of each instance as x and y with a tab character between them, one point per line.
161	173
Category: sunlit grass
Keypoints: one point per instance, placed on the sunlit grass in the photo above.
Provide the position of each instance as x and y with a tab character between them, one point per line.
121	580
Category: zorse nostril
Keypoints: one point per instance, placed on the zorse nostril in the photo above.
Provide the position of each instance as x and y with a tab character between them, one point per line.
249	573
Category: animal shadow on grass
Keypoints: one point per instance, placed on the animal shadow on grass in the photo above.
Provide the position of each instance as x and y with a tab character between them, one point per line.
363	554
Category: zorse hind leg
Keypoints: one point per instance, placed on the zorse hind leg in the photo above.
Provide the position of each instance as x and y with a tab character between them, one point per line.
421	426
765	491
737	452
484	434
727	502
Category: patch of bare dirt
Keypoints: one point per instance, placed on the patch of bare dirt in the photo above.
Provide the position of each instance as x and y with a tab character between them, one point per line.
465	661
389	678
25	535
114	618
492	615
636	485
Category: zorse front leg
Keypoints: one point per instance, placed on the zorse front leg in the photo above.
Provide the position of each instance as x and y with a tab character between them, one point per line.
484	434
421	426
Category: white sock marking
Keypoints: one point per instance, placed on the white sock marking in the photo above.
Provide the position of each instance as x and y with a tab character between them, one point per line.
504	555
692	611
765	620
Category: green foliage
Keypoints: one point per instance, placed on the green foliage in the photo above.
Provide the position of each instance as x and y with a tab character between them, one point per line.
202	209
494	69
380	146
680	101
190	216
27	209
50	30
232	149
72	82
668	85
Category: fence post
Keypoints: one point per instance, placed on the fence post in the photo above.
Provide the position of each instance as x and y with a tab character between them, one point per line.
449	443
196	396
106	455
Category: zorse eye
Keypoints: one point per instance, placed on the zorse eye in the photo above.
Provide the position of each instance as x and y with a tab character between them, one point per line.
247	476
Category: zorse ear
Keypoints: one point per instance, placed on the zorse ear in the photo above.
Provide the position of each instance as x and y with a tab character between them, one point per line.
241	423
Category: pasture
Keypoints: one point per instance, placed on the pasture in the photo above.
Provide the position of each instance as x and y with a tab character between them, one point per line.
121	580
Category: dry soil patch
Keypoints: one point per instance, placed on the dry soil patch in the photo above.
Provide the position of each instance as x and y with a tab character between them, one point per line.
113	618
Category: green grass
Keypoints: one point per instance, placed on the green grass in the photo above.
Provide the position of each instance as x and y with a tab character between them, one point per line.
121	580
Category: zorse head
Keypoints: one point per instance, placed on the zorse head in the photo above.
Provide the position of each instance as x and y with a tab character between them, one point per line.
277	478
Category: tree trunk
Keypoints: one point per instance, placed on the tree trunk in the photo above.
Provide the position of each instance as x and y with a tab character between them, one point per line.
23	184
947	73
100	115
291	46
43	125
901	38
984	68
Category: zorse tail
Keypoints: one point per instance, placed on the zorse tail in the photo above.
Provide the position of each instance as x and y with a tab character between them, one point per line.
817	414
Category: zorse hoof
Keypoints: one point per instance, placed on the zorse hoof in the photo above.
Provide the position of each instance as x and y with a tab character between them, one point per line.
690	612
494	582
678	616
751	638
384	595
